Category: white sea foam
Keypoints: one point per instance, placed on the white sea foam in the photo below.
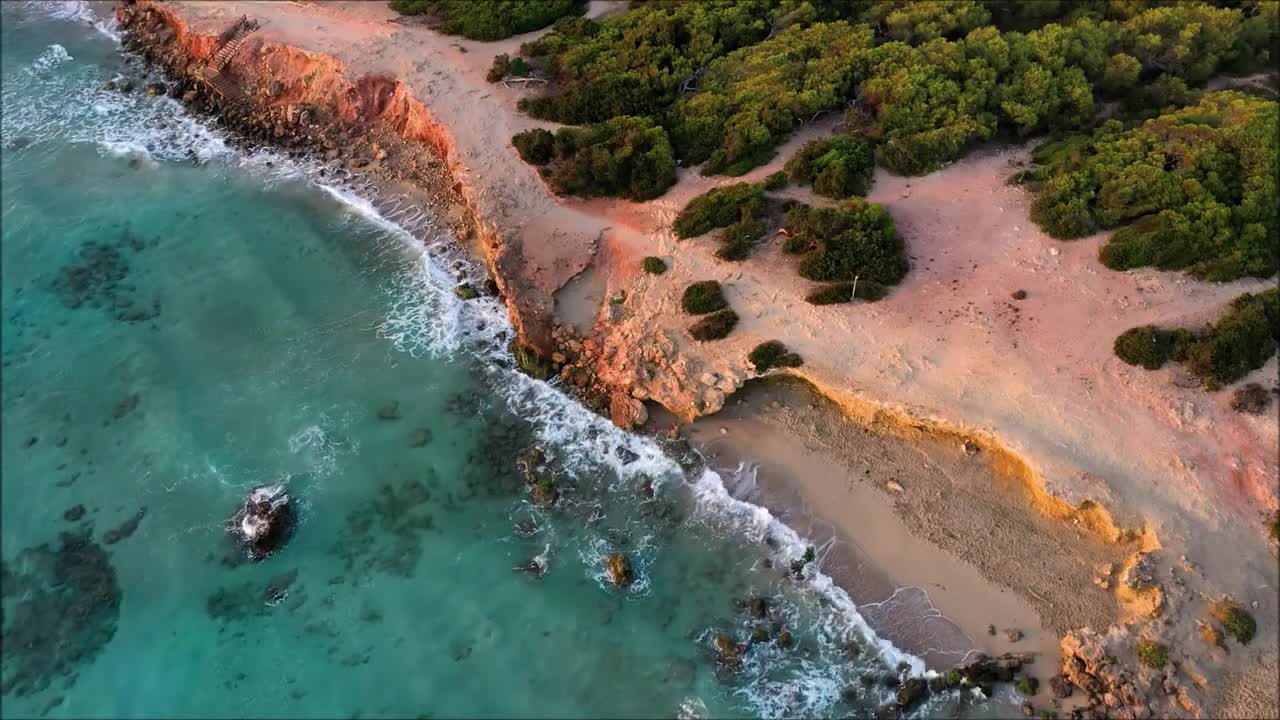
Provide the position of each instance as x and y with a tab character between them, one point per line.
52	57
77	11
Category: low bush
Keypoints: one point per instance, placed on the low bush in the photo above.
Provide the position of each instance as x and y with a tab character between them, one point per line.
703	297
738	239
855	239
719	208
844	292
1239	342
1252	398
1152	654
1237	621
714	326
1150	346
654	265
837	167
625	157
772	354
490	19
505	66
536	146
1027	685
776	181
1194	189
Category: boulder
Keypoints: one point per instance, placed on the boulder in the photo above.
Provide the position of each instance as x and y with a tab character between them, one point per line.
618	568
728	652
912	692
264	521
626	412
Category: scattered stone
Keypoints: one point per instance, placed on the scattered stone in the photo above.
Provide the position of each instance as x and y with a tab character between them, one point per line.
155	88
264	522
73	513
1013	634
991	630
894	486
390	411
970	448
618	568
1019	295
419	438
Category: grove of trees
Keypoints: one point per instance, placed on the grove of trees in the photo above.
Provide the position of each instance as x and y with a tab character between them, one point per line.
489	19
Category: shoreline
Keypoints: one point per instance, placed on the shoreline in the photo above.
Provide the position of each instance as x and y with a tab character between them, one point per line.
814	469
503	255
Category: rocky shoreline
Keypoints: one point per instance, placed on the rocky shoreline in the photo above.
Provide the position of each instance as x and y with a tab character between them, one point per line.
303	103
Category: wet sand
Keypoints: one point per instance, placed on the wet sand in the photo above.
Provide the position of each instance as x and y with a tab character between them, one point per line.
917	560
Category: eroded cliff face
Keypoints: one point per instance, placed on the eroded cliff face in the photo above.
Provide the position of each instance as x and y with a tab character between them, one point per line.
298	100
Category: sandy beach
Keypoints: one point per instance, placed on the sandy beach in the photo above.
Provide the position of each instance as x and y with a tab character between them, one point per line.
989	452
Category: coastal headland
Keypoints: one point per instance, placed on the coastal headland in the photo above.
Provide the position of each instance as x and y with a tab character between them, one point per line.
1124	507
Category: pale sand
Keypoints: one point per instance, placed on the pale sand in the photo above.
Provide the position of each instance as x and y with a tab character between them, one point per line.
956	529
947	348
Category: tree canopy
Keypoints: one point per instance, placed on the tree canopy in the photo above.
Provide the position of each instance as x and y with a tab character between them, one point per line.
490	19
1194	188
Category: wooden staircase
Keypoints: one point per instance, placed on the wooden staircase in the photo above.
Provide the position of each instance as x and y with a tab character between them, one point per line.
211	71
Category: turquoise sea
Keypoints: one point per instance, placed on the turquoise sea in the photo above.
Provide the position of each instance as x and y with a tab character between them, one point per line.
184	321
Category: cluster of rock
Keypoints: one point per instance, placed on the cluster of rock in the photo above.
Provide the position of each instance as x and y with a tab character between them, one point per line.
1090	664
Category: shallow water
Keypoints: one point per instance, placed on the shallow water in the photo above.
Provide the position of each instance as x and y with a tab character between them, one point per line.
184	322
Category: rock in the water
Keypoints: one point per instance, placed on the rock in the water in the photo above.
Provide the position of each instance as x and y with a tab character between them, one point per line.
618	567
264	522
73	513
419	438
155	88
126	529
728	652
466	292
525	528
912	691
390	411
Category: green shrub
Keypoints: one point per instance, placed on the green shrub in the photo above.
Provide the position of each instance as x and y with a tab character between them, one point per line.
624	157
654	265
504	66
1242	340
837	167
635	62
1244	337
1195	189
771	354
720	207
714	326
843	292
1027	685
489	19
853	239
1152	654
1150	346
1235	620
536	146
776	181
738	239
752	99
1252	398
703	297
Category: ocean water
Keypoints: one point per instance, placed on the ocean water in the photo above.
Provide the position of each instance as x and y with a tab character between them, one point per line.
184	321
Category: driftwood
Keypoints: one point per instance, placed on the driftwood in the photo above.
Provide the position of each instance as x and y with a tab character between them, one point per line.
523	81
